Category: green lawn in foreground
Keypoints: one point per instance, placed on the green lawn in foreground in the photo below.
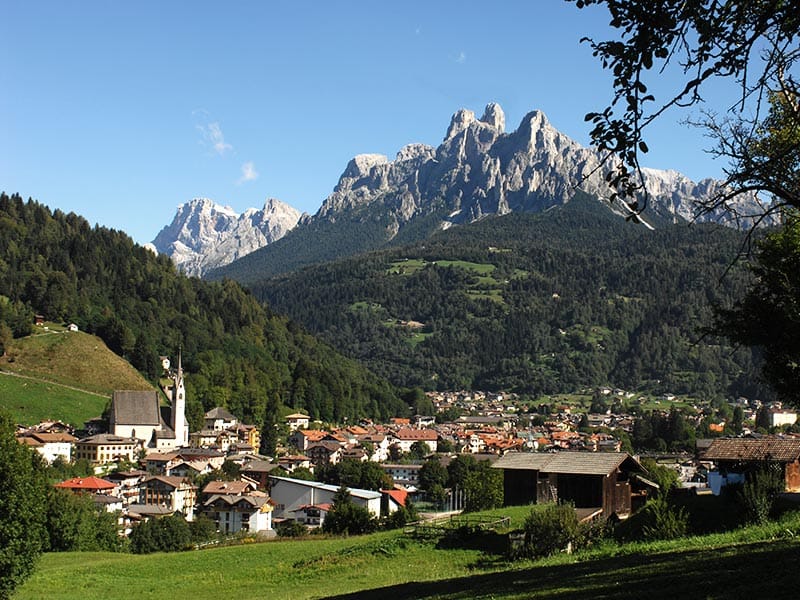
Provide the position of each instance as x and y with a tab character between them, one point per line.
756	562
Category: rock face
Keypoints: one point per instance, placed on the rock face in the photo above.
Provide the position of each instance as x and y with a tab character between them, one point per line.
480	170
477	170
204	235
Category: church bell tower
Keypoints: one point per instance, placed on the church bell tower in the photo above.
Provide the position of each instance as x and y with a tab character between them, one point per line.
179	424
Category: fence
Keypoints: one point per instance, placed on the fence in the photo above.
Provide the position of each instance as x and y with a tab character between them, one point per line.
441	526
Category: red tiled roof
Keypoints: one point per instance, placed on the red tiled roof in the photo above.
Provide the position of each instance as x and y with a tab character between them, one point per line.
398	496
86	484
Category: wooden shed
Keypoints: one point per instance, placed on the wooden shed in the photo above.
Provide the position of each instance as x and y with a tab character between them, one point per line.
743	455
611	481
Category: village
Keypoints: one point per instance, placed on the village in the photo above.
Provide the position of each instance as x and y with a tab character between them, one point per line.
146	464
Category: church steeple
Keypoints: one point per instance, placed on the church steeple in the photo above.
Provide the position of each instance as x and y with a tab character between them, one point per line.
179	425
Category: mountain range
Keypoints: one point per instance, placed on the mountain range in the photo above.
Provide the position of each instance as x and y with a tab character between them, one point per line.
477	170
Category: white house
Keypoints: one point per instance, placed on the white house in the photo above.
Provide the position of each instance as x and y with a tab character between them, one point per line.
232	513
380	445
50	445
311	515
406	437
782	417
297	421
403	475
219	419
127	483
290	494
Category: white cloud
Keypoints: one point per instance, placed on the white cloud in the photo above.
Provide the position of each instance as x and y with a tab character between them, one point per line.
461	58
212	136
249	173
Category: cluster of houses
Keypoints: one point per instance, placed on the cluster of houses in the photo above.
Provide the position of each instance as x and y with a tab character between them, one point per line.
149	460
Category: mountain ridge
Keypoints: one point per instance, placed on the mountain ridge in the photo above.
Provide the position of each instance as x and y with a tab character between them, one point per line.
477	170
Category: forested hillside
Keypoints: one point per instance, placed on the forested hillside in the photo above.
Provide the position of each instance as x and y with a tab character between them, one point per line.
237	353
535	303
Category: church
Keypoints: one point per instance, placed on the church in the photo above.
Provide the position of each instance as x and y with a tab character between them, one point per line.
139	414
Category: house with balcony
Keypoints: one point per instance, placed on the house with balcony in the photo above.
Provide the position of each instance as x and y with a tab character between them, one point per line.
176	494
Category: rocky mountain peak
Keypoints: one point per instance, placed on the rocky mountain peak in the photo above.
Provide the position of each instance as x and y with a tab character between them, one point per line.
205	235
462	119
360	165
493	115
477	170
414	151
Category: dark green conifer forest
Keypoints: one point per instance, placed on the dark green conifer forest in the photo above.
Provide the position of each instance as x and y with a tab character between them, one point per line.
536	303
238	353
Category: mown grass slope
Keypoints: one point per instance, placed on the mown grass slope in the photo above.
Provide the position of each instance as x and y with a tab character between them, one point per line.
65	375
755	562
30	401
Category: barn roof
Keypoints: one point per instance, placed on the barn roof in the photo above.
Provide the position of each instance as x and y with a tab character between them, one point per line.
748	449
568	463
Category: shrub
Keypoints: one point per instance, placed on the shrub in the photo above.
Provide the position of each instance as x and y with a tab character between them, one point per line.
550	528
757	495
167	534
291	528
402	516
202	530
664	476
347	518
656	520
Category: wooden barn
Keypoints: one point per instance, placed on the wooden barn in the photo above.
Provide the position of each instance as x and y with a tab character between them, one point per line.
613	482
740	456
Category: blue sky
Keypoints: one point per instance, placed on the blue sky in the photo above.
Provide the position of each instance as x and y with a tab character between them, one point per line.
121	111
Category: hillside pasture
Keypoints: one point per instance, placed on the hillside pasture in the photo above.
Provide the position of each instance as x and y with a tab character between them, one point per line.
62	375
30	401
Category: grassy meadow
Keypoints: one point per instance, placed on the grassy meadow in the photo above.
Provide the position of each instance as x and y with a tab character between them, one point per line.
64	375
753	562
30	401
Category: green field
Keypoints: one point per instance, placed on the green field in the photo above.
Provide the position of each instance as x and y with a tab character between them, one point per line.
61	375
755	562
30	401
